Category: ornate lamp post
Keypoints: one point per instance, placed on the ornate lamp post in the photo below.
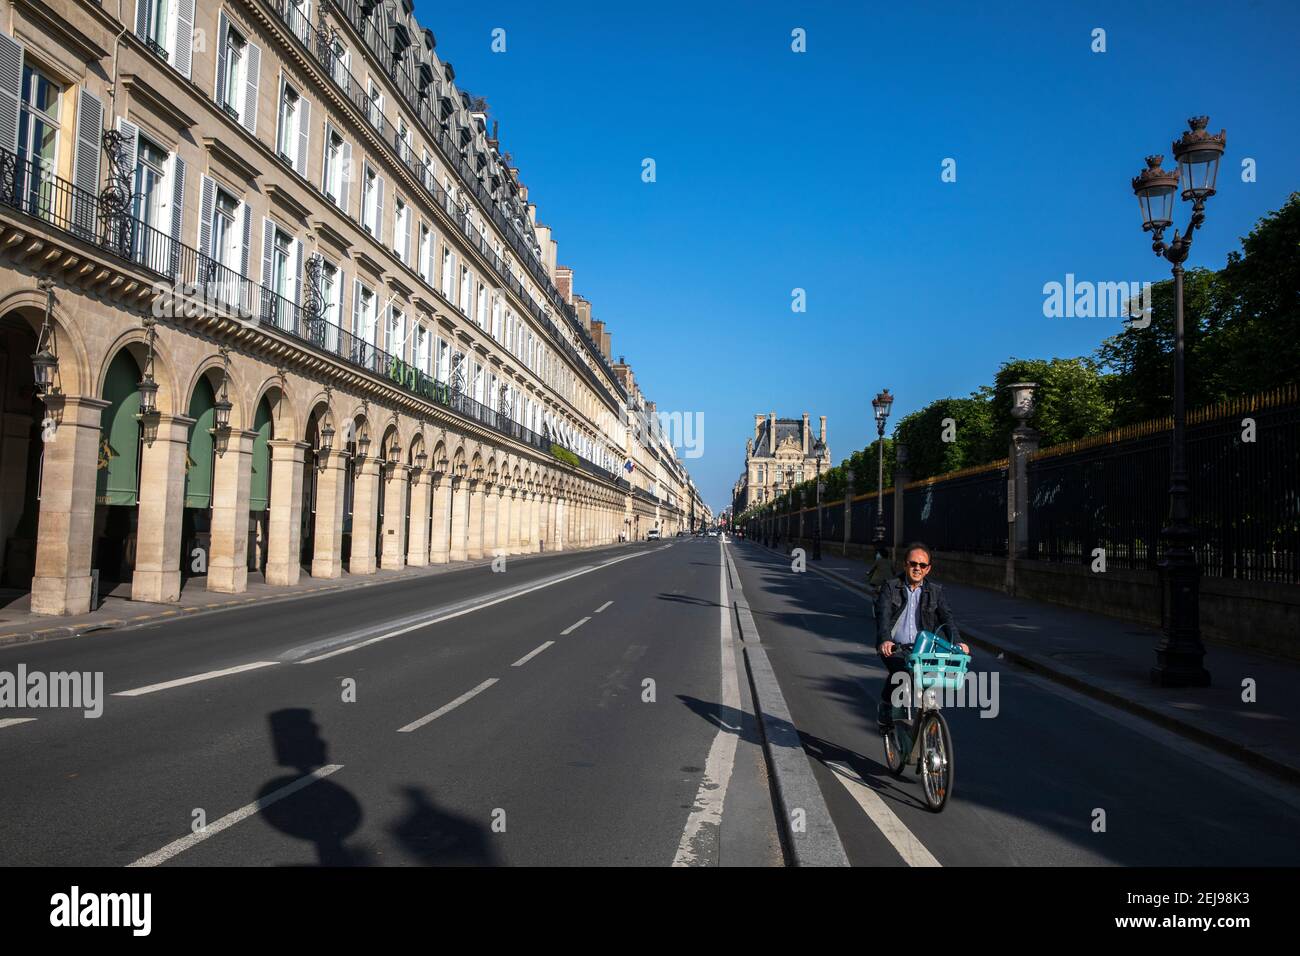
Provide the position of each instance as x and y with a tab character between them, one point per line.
45	363
819	449
881	405
148	389
1180	654
221	408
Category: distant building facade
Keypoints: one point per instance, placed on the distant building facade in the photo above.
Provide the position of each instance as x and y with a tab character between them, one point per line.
782	453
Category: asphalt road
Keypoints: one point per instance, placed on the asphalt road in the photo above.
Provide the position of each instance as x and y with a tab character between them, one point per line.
561	712
586	708
1030	782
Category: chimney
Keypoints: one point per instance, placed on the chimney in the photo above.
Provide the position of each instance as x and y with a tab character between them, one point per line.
771	433
823	429
564	283
758	426
803	434
606	341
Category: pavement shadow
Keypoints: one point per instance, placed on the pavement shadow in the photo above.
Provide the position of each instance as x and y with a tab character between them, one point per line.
322	813
435	837
870	771
723	717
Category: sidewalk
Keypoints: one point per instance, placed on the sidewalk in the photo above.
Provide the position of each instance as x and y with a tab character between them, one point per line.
1110	660
19	626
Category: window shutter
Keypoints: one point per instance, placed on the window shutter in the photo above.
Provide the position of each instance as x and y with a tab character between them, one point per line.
249	119
268	247
379	209
298	262
130	141
406	236
142	19
304	134
178	213
347	175
11	83
223	45
90	123
183	44
243	261
356	307
207	205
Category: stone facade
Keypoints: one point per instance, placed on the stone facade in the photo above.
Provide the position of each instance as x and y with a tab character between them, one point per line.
350	262
782	453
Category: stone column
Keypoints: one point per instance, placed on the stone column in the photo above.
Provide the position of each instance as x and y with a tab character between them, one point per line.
491	501
516	513
561	541
502	545
157	575
459	518
474	532
440	547
417	547
848	512
525	521
232	475
365	515
535	524
65	529
284	534
393	556
327	546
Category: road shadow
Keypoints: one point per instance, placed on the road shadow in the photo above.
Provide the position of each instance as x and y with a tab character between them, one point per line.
723	717
321	813
435	837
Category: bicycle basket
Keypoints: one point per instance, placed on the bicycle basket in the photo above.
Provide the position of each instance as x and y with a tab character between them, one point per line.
936	663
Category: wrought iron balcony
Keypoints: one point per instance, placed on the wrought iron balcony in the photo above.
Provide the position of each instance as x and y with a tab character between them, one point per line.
27	188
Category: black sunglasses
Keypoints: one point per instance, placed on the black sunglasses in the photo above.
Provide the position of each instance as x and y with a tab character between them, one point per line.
917	564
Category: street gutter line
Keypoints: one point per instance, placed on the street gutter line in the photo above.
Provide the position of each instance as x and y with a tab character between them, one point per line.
704	824
230	819
573	627
447	708
531	654
182	681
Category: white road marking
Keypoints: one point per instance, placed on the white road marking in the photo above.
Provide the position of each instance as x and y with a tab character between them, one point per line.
230	819
13	721
446	708
603	606
573	627
902	839
182	681
712	793
531	654
468	610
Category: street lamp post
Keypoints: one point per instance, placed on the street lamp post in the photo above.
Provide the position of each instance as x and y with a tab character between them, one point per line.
818	450
1180	653
881	405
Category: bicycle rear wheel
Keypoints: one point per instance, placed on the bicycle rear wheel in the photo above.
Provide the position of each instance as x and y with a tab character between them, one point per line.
895	755
936	760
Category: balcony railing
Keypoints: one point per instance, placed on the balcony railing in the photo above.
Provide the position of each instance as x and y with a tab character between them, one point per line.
27	187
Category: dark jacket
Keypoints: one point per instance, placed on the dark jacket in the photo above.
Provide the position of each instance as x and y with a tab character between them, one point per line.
935	612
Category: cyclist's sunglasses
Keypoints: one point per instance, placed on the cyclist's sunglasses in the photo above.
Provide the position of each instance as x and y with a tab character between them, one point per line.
918	564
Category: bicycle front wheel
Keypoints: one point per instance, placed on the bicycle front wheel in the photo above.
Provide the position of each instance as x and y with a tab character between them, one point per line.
936	760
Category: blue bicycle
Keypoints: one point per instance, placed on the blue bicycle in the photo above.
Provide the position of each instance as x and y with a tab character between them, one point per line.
920	735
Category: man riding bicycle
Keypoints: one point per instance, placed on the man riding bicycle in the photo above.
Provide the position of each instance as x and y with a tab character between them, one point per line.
907	605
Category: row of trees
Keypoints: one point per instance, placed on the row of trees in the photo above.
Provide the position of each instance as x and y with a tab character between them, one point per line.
1242	336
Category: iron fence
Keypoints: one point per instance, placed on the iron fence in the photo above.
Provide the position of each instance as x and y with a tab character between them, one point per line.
967	513
1115	497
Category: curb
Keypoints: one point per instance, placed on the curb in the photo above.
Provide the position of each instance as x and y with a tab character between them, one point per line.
797	790
1078	680
14	638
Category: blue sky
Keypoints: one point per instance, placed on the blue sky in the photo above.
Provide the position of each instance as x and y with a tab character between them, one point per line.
821	170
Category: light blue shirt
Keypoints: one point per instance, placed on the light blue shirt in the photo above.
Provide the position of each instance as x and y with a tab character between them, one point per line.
909	623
